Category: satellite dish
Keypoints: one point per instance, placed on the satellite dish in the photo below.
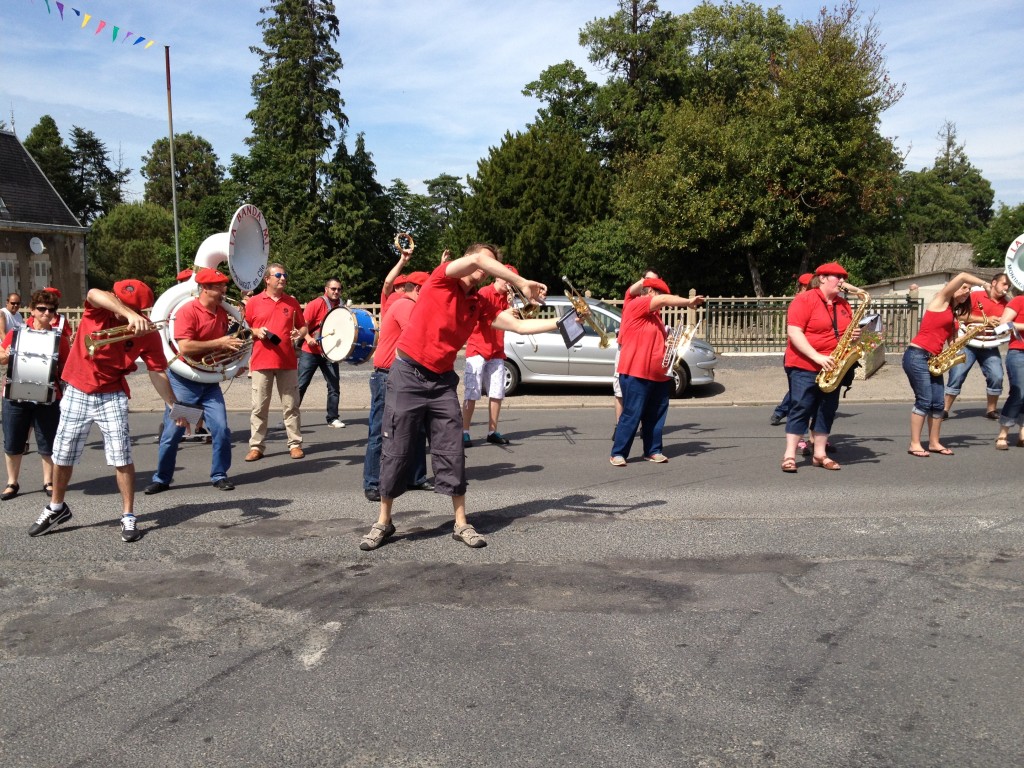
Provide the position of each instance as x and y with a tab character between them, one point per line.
36	245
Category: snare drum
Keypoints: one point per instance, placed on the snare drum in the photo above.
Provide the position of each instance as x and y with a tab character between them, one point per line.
348	334
32	367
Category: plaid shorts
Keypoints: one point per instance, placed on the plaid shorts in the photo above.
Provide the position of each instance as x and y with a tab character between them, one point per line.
78	411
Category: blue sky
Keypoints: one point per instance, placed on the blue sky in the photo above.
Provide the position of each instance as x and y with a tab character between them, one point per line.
433	85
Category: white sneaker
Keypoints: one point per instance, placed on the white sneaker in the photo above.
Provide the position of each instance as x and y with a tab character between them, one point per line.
337	424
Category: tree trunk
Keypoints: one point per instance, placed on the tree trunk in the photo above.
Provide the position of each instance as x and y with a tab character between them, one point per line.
755	275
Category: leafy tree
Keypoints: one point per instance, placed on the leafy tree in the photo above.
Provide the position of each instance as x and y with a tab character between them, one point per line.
446	196
197	172
54	157
991	244
297	118
132	240
570	97
98	187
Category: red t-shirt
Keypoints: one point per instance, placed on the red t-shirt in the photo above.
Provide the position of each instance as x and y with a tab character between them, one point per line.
314	314
991	307
642	341
810	312
63	350
486	341
197	323
107	370
936	328
387	301
1017	305
442	320
281	317
391	327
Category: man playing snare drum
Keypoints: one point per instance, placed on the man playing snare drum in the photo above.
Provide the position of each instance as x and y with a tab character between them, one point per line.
311	355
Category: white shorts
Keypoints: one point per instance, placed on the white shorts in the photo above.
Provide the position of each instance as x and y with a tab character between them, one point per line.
616	387
484	374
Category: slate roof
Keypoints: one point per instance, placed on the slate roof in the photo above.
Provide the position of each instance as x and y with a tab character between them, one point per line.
26	195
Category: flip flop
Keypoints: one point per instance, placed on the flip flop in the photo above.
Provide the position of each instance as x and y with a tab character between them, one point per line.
919	454
941	451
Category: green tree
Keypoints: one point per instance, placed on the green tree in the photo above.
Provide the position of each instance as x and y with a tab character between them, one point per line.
132	240
197	173
54	157
98	187
1004	229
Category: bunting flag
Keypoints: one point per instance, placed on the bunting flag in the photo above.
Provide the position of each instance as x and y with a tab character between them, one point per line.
115	29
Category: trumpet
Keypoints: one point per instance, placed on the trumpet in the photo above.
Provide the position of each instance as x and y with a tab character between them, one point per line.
407	236
102	338
528	310
579	304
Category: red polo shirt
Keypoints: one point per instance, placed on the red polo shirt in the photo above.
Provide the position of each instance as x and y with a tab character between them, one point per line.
642	341
486	341
197	323
280	316
820	322
391	327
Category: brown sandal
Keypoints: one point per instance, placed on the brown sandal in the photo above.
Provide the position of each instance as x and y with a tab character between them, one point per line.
789	464
826	463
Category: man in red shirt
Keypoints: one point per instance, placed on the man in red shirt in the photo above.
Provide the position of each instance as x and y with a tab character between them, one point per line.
97	391
422	384
311	355
277	323
392	324
485	362
982	307
645	382
200	328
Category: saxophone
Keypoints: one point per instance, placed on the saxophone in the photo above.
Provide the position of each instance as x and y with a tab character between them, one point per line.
847	352
953	354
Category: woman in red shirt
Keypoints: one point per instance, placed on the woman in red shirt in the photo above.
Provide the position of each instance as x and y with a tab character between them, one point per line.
938	325
1013	408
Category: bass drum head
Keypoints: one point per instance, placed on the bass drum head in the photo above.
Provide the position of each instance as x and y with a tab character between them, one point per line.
338	334
1013	268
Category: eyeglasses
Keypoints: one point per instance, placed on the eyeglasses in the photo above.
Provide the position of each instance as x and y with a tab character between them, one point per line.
335	289
14	303
41	309
280	275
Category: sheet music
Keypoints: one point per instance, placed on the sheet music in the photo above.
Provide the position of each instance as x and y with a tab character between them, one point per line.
187	412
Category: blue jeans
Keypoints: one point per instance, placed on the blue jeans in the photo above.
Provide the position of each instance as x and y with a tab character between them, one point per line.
809	405
991	366
644	403
371	463
782	409
1014	405
210	398
928	400
310	364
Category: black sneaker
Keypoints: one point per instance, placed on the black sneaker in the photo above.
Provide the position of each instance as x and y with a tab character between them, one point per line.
50	518
128	530
776	420
945	415
224	484
426	485
202	435
156	488
372	494
497	438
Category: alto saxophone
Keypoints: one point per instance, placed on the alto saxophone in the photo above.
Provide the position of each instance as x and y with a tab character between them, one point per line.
953	354
847	352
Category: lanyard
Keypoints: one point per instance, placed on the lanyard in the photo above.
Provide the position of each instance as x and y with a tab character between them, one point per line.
835	321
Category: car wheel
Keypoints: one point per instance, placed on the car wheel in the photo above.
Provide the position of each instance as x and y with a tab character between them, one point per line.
512	378
680	380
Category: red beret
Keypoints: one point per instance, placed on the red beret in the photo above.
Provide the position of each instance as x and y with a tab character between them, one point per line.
207	276
400	280
418	278
832	268
54	291
184	275
135	294
657	284
512	269
805	278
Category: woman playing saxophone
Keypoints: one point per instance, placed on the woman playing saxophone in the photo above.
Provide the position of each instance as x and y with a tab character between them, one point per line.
938	325
815	321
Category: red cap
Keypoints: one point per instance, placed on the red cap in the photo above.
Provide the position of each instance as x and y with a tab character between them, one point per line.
832	268
805	278
400	280
184	275
135	294
657	284
207	276
54	291
512	269
418	278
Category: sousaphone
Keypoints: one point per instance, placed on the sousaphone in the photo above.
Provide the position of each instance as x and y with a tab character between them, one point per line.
246	248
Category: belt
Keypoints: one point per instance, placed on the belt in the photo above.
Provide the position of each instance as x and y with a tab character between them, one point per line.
381	370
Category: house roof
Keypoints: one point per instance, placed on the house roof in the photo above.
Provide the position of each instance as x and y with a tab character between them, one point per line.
26	195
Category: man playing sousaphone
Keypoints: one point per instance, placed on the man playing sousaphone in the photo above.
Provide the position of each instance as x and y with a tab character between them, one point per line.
200	328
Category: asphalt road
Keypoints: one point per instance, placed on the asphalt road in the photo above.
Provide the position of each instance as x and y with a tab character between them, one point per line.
712	611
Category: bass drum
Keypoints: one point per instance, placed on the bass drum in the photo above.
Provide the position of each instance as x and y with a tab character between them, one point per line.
348	335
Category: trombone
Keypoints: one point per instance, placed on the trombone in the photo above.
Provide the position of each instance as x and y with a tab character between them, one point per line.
528	310
102	338
579	303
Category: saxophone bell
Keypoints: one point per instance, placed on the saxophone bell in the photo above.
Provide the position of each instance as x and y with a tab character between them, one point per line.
579	304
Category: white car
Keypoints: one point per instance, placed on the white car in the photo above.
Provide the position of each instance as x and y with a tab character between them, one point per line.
542	358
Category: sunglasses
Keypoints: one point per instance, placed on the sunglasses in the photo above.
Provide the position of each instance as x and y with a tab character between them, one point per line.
280	275
14	303
41	309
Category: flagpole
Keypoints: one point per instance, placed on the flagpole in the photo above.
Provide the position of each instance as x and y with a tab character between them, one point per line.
174	186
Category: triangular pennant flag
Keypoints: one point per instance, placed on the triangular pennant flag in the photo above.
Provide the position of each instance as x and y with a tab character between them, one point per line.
77	12
48	7
85	20
141	38
126	36
60	7
114	38
100	27
149	44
